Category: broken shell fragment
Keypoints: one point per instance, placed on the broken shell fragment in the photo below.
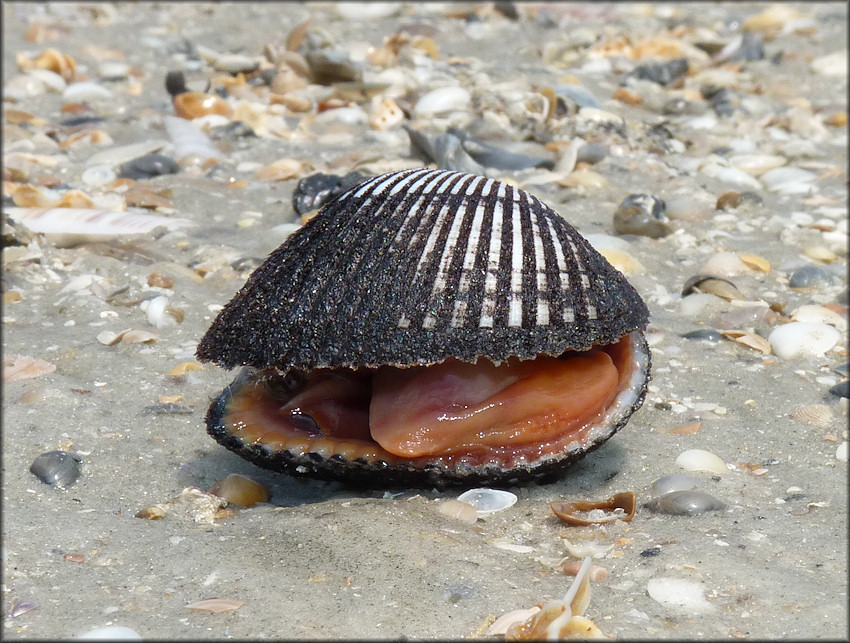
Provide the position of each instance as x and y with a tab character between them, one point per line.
351	330
561	619
488	501
621	506
215	605
712	285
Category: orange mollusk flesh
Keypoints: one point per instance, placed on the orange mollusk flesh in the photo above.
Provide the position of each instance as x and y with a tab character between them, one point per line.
447	413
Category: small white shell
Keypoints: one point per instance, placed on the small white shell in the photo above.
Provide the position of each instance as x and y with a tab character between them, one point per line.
86	91
155	311
819	314
110	633
85	221
487	501
442	100
188	139
779	179
459	510
724	264
701	460
799	339
684	595
756	164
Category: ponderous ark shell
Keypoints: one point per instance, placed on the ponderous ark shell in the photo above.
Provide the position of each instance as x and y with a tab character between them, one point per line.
412	268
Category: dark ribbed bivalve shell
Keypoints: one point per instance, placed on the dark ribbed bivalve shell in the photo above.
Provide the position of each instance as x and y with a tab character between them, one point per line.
411	268
417	266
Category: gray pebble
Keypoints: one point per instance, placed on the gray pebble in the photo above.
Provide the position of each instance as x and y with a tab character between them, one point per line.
810	276
704	334
685	503
148	166
57	468
591	153
673	482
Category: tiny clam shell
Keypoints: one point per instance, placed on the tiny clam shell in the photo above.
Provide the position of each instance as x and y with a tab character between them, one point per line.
567	510
712	285
459	510
817	414
674	482
57	468
240	490
488	501
701	460
683	595
755	262
685	502
20	607
800	339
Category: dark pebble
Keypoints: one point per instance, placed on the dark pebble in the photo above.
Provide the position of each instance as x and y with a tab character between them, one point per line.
507	9
661	73
76	121
809	276
725	102
591	153
149	166
652	551
704	334
313	191
234	129
175	83
751	48
842	389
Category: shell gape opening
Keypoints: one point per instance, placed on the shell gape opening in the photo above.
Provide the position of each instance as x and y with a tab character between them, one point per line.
451	411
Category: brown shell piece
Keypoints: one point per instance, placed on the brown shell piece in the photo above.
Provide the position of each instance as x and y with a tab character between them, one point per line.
566	510
191	105
712	285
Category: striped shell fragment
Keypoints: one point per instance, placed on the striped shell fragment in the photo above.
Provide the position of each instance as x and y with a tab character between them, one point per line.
429	327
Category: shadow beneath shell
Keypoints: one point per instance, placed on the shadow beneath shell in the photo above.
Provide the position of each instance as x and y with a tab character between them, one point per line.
585	477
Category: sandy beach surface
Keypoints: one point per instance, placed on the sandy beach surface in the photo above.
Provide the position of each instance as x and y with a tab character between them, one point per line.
325	560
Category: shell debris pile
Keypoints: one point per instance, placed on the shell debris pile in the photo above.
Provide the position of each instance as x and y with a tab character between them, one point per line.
490	198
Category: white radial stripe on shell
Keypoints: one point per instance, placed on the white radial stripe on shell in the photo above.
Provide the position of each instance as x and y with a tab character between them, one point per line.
409	213
542	317
398	187
488	305
375	187
563	275
515	314
449	248
468	263
435	230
